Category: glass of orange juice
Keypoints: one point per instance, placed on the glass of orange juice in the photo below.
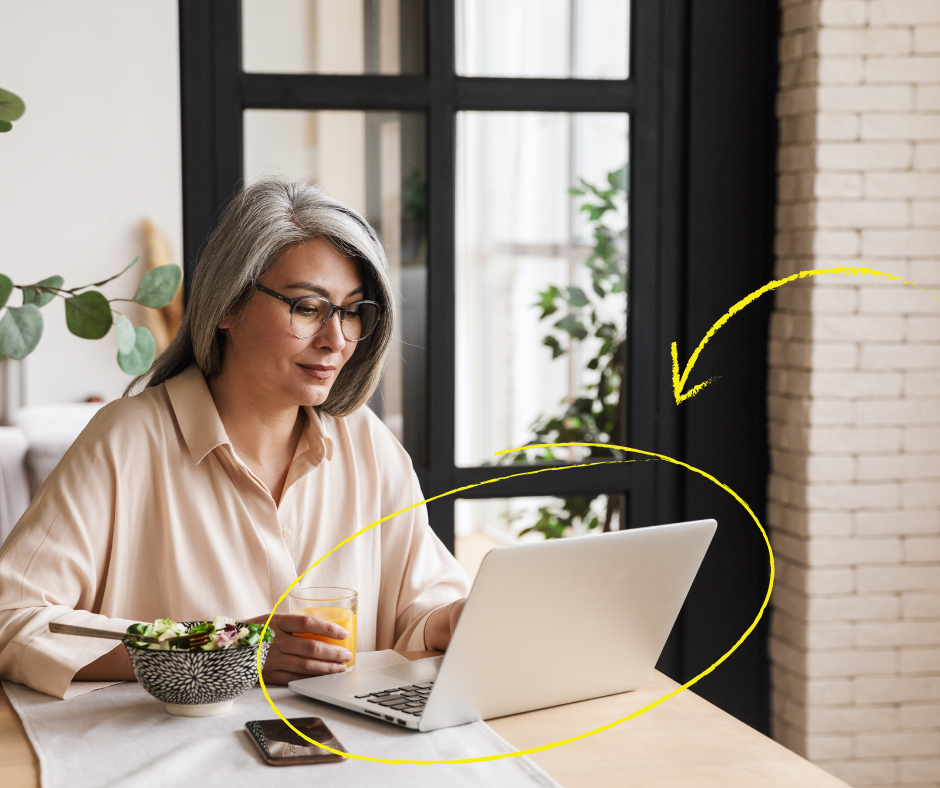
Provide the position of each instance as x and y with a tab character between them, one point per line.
336	605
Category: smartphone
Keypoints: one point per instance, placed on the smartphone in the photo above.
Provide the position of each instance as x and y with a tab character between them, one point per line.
280	746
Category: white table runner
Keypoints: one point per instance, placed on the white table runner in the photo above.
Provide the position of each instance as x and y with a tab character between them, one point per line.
121	736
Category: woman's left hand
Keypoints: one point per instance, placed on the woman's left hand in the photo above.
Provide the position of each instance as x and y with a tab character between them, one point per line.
441	625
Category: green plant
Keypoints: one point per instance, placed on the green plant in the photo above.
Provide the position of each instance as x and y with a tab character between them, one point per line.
414	197
11	108
88	313
594	415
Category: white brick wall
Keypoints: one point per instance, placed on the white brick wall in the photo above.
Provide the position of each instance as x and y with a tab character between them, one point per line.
854	392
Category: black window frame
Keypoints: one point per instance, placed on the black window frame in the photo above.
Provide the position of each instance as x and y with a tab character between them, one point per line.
675	46
440	94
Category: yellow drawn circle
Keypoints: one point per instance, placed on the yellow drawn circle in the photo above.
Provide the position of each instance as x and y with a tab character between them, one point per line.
552	745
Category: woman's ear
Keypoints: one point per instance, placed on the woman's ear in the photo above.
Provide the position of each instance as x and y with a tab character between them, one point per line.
228	321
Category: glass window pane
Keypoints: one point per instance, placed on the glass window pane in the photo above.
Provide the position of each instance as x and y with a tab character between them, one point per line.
586	39
481	525
541	276
375	162
333	36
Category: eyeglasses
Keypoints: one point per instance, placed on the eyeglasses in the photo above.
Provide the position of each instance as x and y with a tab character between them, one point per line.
309	315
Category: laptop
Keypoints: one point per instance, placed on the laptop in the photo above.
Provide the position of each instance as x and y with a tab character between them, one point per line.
546	623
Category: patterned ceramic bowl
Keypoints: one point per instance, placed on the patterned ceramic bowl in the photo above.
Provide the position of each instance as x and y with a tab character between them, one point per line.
197	683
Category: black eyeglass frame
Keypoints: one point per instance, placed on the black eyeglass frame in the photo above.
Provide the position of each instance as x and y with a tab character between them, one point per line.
292	303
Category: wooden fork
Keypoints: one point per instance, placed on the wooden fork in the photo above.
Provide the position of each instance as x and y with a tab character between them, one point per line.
184	642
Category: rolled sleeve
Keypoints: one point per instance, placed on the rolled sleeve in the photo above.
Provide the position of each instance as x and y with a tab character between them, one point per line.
50	571
428	577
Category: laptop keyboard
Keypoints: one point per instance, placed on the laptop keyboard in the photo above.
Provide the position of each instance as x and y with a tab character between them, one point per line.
407	700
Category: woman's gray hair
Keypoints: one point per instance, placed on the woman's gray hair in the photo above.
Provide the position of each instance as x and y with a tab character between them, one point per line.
262	220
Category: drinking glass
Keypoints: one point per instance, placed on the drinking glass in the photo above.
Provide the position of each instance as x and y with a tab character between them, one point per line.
336	605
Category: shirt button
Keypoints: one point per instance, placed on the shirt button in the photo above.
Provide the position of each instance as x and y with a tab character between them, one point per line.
286	532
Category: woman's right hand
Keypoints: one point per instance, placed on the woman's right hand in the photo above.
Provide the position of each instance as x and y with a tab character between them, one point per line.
292	657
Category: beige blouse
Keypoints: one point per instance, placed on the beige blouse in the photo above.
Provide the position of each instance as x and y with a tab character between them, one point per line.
151	514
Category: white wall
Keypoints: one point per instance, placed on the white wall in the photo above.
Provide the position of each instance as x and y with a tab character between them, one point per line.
97	150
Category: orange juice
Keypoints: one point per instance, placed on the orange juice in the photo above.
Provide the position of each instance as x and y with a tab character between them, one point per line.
335	615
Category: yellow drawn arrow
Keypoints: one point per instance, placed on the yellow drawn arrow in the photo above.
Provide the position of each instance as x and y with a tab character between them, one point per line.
678	383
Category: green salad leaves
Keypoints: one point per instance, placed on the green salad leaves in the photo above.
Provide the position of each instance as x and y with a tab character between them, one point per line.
223	632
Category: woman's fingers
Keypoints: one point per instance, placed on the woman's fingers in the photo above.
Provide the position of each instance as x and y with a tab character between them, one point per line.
308	667
308	648
299	665
292	657
314	649
288	667
294	622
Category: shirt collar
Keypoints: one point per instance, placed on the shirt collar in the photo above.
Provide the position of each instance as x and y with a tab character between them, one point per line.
202	428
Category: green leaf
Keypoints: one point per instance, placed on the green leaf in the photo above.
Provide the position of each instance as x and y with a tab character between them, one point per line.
126	338
159	285
6	287
205	626
11	106
618	179
123	271
552	342
576	297
573	326
546	301
140	357
88	315
33	295
5	126
583	404
20	331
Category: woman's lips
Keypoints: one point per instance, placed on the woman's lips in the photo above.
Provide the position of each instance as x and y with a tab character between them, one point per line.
318	371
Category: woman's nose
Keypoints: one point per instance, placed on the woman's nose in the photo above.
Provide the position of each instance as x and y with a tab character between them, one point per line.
332	334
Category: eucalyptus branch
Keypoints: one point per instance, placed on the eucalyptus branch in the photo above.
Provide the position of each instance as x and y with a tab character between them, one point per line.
89	314
76	290
103	282
47	289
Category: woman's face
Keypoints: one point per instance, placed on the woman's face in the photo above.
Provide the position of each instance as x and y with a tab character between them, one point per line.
262	350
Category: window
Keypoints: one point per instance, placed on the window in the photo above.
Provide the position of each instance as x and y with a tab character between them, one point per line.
375	162
431	118
329	37
586	39
520	232
368	98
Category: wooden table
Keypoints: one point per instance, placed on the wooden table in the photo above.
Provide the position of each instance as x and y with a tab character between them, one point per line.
684	742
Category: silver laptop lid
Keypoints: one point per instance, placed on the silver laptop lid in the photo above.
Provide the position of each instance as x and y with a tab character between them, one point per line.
566	620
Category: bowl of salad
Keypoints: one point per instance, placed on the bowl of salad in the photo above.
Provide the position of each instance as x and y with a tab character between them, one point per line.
204	680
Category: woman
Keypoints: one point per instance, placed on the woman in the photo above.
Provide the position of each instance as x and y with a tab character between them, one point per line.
248	456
